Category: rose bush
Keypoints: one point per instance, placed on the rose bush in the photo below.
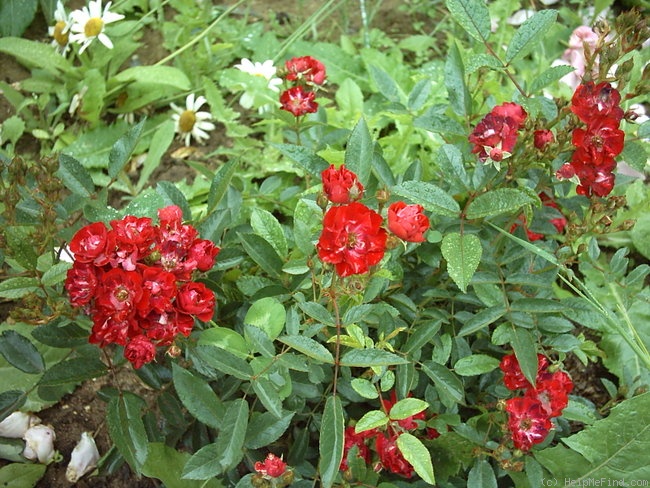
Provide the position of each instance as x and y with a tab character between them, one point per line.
393	274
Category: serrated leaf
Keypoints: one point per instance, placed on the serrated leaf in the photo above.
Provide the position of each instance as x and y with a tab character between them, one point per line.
483	318
123	148
306	158
445	381
475	364
418	455
225	361
330	443
233	433
262	253
127	429
73	370
267	393
173	196
266	428
537	305
267	226
359	151
18	287
482	475
459	96
204	463
220	182
367	358
364	388
21	353
525	352
75	177
551	75
160	142
463	254
407	407
309	347
431	197
166	464
318	312
198	397
529	34
499	201
472	15
56	273
371	420
386	85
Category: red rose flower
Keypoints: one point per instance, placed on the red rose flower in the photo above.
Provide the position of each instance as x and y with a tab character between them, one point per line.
601	138
390	456
351	439
407	222
513	111
134	240
542	138
305	68
81	283
88	245
272	467
591	101
159	290
298	101
341	185
140	351
527	422
352	239
108	330
119	293
497	134
196	299
513	377
552	391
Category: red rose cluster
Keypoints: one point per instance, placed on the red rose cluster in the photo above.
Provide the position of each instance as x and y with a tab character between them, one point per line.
135	281
304	73
529	416
495	136
353	238
599	142
385	443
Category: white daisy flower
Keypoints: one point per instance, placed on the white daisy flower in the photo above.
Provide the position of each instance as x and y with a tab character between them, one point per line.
190	122
265	70
60	31
88	24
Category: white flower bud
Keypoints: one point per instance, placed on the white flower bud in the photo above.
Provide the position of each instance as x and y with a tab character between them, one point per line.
40	443
83	459
16	424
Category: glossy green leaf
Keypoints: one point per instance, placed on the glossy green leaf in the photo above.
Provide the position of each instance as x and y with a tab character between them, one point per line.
445	381
371	420
472	15
418	455
367	358
267	393
459	96
499	201
73	370
475	364
21	353
463	254
204	463
330	443
482	475
364	388
258	340
318	312
309	160
482	319
309	347
21	475
173	196
74	176
198	397
267	226
431	197
267	314
18	287
233	434
123	149
220	182
225	338
56	274
386	85
537	305
526	352
530	34
126	428
551	75
358	152
266	428
407	407
262	253
225	361
166	464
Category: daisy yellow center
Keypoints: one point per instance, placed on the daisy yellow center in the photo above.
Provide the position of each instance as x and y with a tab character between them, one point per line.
93	27
186	121
59	36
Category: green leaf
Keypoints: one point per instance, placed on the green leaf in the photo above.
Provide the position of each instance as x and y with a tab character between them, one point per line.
318	312
267	314
219	184
127	429
204	463
166	464
72	371
12	129
123	148
160	142
640	235
364	388
530	34
386	85
262	253
75	177
537	305
267	393
10	401
330	443
526	352
34	54
198	397
615	447
21	353
233	434
56	274
418	455
358	152
309	347
459	96
463	255
407	407
225	361
155	75
173	196
306	158
431	197
20	475
475	364
472	15
483	318
419	94
371	420
267	226
264	429
15	16
499	201
551	75
482	475
422	335
445	381
18	287
367	358
225	338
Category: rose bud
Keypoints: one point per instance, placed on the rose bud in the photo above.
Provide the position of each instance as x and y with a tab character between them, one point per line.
16	424
39	443
83	459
